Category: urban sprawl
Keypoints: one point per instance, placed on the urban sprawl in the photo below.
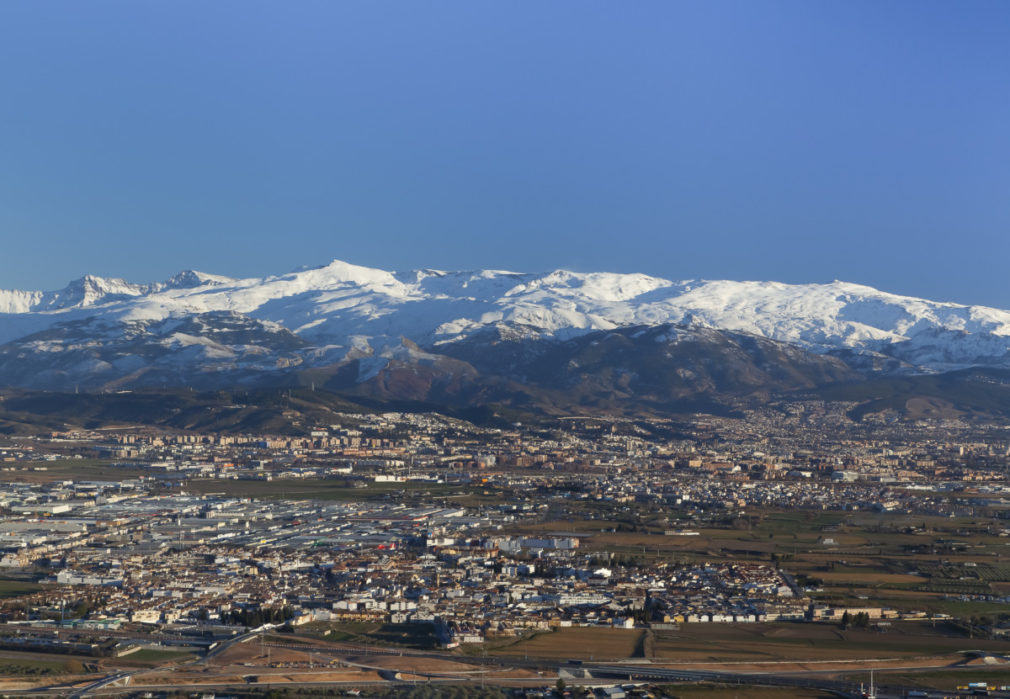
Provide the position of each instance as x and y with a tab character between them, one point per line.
449	534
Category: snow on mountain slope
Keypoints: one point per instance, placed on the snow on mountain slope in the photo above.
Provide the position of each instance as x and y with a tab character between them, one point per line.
18	301
179	350
340	305
90	290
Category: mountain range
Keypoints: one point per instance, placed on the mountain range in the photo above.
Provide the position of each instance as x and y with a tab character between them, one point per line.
556	340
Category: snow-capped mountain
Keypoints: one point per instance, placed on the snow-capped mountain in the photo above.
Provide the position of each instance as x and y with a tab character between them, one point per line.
108	329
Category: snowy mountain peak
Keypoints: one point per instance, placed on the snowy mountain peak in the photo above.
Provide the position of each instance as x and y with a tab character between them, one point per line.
190	279
15	301
90	290
340	272
340	307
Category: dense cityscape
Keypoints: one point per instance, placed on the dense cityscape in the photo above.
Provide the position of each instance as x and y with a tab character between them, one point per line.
132	541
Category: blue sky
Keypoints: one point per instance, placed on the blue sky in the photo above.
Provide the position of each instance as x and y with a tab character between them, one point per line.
795	141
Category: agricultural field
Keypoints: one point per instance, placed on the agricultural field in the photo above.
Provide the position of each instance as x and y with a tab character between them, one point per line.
784	642
941	679
580	643
931	564
442	691
15	587
27	667
752	644
715	691
155	656
417	636
81	469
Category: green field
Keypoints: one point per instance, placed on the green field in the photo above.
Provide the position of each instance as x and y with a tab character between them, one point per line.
420	636
15	588
154	655
80	469
583	643
26	667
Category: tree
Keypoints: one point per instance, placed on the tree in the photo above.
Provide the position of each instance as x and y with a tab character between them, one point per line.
560	685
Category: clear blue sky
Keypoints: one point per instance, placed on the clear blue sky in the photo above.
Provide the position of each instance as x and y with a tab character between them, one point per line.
796	141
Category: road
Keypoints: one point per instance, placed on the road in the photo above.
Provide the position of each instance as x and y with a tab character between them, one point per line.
632	673
613	671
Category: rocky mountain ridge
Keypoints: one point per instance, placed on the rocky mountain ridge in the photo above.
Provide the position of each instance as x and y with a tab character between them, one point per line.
484	335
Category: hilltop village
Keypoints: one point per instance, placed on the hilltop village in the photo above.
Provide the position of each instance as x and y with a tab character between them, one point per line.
478	533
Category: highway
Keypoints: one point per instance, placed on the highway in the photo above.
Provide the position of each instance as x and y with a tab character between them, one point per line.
601	672
645	673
